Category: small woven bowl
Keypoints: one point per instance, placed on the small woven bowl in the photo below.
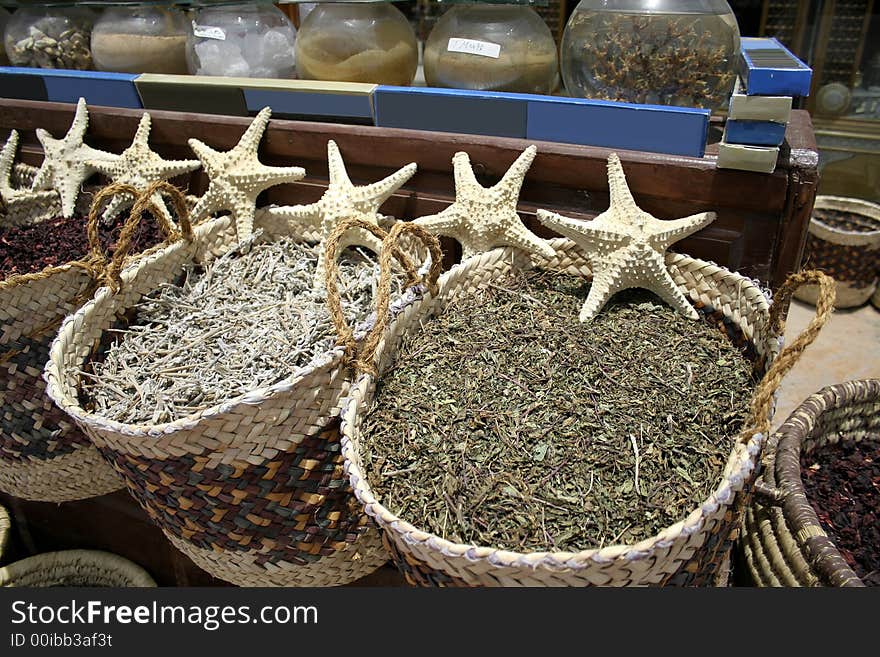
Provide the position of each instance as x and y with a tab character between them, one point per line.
848	250
75	568
783	542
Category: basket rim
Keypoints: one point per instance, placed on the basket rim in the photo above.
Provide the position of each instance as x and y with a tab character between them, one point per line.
800	515
52	372
846	204
742	455
5	530
68	560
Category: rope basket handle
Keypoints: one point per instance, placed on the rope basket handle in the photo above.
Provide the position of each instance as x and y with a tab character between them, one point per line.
762	402
363	361
143	202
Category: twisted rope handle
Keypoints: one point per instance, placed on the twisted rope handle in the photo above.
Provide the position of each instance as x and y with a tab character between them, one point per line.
95	264
762	403
363	362
143	202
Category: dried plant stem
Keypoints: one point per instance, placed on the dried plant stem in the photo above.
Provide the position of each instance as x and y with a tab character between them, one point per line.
247	320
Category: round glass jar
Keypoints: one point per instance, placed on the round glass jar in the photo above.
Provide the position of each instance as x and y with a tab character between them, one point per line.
140	39
666	52
357	42
242	40
50	37
492	47
4	18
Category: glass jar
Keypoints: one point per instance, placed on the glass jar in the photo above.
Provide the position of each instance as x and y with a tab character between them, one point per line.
666	52
357	42
140	39
50	37
493	47
4	18
242	40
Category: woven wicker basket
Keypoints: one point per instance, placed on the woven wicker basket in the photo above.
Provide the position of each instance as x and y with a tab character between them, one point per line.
5	531
783	542
694	551
252	490
850	254
43	456
75	568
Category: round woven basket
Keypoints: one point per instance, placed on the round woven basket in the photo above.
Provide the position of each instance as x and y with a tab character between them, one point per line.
848	251
875	299
694	551
75	568
252	490
783	542
43	455
5	531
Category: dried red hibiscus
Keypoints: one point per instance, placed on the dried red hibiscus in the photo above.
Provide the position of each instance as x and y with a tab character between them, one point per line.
26	249
842	482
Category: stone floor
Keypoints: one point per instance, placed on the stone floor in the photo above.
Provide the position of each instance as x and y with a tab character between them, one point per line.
847	348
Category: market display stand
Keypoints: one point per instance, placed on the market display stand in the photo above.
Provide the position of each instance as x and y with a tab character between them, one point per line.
760	231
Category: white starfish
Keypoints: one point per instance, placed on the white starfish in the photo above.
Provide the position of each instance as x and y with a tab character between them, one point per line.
66	161
343	200
23	205
139	166
481	218
237	177
626	246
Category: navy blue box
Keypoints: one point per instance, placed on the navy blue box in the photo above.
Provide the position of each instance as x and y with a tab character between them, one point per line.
64	86
755	133
629	126
486	113
769	69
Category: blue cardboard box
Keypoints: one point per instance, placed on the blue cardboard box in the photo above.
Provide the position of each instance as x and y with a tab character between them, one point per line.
673	130
65	86
755	133
629	126
346	102
485	113
769	69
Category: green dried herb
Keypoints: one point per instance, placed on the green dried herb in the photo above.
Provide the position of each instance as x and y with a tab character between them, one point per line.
505	422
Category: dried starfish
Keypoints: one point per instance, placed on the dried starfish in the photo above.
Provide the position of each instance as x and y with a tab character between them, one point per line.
66	161
23	205
481	218
139	166
344	200
237	177
626	246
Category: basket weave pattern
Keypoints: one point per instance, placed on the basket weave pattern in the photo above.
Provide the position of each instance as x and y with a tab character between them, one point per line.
253	490
691	552
783	542
75	568
849	256
43	455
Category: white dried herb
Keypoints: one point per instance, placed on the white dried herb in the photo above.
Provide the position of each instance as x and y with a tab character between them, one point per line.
247	320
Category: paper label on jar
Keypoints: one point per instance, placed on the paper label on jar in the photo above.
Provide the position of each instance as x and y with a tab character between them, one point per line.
207	32
474	47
